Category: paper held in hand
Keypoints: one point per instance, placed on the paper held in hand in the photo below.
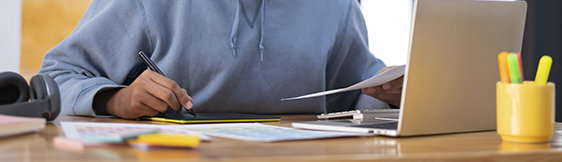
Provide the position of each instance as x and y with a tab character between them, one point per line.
376	80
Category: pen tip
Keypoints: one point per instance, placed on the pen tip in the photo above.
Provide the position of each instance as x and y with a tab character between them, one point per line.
140	52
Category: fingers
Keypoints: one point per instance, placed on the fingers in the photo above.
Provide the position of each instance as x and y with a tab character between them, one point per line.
153	94
126	103
149	95
373	91
386	69
390	92
170	92
189	104
391	97
166	90
145	99
394	86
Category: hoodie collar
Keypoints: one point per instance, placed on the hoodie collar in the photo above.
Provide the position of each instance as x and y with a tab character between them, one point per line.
235	23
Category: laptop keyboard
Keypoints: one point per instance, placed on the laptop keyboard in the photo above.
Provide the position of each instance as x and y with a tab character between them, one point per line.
390	126
389	113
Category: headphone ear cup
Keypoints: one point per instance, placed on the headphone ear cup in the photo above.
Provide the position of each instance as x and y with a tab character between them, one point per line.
13	88
38	89
43	87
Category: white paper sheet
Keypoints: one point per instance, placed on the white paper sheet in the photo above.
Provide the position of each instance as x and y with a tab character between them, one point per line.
261	132
376	80
73	130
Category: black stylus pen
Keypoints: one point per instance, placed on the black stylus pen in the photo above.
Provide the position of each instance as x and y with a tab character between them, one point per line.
155	68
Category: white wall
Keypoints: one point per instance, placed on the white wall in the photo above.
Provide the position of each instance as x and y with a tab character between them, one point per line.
388	24
10	35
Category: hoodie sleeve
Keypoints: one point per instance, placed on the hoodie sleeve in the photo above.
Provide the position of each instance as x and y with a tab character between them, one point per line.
101	53
350	62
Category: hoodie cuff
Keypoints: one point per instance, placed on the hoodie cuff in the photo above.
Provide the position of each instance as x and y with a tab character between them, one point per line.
82	105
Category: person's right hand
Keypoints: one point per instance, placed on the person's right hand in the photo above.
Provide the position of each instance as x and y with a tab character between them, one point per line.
148	95
389	92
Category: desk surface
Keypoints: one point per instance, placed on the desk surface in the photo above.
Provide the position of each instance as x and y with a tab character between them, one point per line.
477	146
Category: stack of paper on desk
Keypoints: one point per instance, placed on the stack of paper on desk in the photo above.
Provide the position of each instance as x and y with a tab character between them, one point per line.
13	125
242	131
376	80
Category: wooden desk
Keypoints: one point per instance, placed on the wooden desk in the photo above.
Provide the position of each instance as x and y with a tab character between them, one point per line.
478	146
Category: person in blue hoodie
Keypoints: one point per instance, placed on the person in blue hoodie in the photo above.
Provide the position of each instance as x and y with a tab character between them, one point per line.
218	56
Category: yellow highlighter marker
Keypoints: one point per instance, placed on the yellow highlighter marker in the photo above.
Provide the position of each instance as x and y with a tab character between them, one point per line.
504	69
543	70
513	64
167	140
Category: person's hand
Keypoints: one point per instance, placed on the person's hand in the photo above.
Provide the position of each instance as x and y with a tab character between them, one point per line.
149	95
389	92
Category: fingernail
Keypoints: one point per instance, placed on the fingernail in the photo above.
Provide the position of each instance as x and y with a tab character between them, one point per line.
386	86
189	105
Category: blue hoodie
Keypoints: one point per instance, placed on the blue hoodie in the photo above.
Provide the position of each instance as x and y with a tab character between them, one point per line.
230	55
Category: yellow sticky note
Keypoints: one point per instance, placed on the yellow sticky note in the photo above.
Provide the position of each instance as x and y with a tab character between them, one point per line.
169	140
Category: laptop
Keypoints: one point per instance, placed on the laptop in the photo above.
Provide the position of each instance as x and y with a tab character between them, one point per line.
451	73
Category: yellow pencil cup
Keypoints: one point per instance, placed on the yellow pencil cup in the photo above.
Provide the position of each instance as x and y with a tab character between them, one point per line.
525	112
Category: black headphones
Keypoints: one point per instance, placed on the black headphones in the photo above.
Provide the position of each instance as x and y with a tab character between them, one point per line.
15	96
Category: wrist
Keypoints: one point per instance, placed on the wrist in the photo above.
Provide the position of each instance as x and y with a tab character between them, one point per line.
105	101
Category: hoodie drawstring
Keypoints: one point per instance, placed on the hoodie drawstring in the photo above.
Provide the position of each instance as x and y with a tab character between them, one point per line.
262	29
234	32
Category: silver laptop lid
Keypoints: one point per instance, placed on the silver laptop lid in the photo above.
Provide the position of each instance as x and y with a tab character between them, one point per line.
452	68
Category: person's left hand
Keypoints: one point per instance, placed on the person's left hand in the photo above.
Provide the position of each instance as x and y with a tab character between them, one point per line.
389	92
